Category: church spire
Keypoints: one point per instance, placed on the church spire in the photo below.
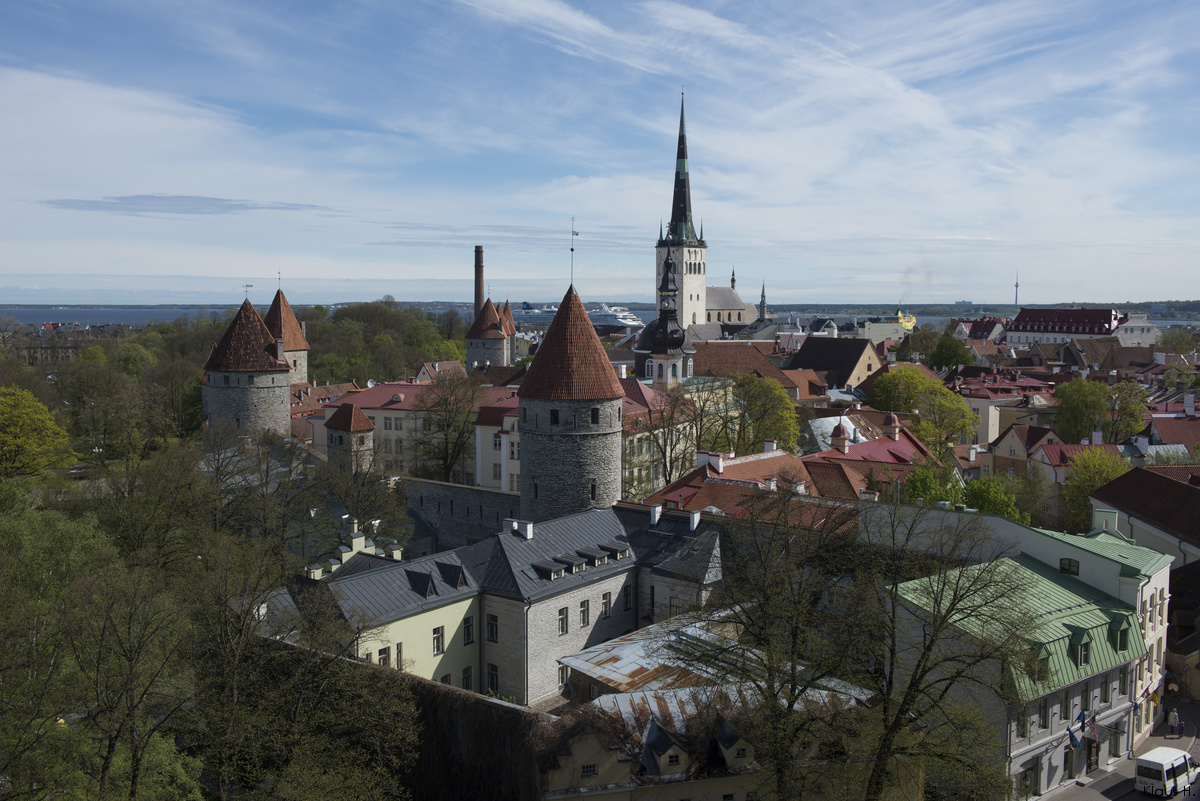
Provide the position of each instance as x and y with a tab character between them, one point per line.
681	229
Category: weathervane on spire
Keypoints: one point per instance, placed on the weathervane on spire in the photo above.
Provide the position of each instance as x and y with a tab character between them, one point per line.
574	234
247	288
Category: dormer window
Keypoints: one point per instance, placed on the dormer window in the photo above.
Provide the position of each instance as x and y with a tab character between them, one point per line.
672	759
1085	654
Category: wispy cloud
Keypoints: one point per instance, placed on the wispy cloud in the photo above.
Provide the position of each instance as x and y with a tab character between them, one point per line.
143	205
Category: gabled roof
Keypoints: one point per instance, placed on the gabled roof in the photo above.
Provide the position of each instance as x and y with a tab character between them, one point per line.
349	417
1029	436
723	298
1180	430
1061	455
570	363
246	347
281	322
391	590
835	357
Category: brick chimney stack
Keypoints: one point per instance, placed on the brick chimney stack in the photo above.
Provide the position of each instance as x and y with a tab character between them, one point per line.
478	279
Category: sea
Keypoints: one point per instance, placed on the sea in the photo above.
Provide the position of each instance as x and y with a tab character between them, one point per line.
108	315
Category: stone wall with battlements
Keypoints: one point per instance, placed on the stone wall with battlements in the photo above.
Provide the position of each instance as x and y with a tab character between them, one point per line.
461	515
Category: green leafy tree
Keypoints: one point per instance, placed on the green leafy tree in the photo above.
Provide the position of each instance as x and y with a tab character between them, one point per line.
1081	409
930	483
939	416
991	495
949	352
1086	473
30	441
1127	413
764	411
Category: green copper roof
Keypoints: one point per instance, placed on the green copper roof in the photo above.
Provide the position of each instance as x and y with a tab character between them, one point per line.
1066	612
1135	560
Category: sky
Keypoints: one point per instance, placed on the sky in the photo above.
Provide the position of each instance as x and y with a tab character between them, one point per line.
173	151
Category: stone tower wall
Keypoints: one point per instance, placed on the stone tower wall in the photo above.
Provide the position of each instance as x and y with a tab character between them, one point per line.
482	351
564	459
251	401
297	365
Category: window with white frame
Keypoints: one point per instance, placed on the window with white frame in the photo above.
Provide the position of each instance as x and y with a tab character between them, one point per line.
563	624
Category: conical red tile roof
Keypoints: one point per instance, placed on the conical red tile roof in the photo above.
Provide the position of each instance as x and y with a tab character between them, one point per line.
247	347
506	319
571	363
281	322
349	417
487	325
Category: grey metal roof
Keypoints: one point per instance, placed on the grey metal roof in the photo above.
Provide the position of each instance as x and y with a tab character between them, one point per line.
392	591
504	564
723	298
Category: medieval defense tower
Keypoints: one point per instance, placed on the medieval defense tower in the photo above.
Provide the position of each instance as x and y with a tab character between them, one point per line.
281	322
570	421
246	377
686	249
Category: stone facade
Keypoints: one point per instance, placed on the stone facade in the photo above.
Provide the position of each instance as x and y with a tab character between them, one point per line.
571	452
250	401
481	352
297	365
461	515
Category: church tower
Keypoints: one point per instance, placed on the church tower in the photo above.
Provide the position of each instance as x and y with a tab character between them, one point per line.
570	421
686	250
664	349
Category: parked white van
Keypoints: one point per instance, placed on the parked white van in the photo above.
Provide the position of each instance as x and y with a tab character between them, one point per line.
1166	771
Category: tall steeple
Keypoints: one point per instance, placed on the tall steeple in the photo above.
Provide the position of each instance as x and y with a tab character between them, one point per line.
680	246
682	231
762	306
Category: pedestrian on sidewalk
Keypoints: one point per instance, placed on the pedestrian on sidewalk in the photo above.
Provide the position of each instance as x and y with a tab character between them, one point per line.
1173	723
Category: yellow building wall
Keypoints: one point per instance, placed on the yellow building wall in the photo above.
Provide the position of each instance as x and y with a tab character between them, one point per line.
414	634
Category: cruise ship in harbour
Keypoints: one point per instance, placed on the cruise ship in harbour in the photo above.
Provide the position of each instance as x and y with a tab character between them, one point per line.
528	316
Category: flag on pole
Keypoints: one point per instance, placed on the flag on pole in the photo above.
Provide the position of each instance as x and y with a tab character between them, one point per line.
1092	723
1154	697
1074	739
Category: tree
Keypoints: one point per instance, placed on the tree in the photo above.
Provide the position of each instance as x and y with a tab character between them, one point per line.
939	633
949	352
661	445
1031	495
1127	414
942	418
919	343
447	408
30	441
781	562
991	495
1081	409
1086	473
930	483
1180	340
764	411
900	390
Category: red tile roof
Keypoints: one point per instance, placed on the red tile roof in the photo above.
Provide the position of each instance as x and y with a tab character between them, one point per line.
281	322
1178	430
349	417
727	359
487	325
570	363
1061	455
1167	497
246	347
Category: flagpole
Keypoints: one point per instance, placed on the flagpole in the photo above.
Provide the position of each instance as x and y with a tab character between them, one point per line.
574	234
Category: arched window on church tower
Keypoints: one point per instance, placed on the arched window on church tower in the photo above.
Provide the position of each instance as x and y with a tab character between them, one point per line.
660	370
649	369
689	368
674	370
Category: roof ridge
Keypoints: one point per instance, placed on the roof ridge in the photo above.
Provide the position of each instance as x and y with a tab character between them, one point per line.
571	364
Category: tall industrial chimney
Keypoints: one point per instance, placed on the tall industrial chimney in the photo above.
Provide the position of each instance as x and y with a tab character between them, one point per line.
478	279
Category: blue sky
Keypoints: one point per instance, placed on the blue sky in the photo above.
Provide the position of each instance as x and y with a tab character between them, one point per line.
172	151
